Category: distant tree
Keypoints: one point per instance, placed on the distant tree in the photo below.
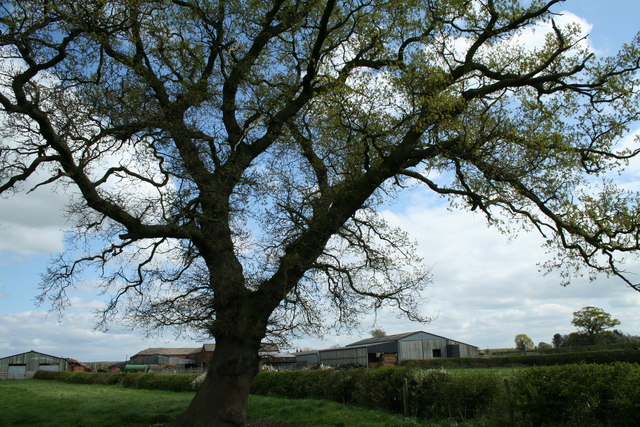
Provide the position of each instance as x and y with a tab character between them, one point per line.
378	333
523	342
544	346
593	320
557	340
577	339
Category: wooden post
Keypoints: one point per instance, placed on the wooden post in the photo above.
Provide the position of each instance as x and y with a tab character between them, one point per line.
405	397
507	390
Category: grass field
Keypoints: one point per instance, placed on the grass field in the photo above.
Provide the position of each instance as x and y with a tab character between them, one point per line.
52	403
55	404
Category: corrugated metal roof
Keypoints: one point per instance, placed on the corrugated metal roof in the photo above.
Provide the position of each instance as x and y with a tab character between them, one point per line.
379	340
164	351
396	337
209	347
306	352
33	351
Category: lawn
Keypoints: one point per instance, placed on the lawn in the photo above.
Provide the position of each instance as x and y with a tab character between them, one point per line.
56	404
52	403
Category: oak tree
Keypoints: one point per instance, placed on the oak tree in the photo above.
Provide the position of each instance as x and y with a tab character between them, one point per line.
225	158
523	342
593	320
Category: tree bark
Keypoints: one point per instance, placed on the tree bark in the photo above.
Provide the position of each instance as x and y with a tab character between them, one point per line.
222	398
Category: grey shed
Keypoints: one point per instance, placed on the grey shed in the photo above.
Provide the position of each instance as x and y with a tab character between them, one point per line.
24	365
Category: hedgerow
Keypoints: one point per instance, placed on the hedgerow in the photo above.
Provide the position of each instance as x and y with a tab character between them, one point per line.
419	392
149	380
548	395
574	394
595	357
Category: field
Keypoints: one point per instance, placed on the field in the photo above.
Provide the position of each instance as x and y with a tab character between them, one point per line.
55	404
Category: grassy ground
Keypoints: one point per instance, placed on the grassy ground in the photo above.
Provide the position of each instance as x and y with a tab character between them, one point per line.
54	404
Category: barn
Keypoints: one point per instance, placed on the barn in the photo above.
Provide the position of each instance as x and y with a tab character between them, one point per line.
24	365
391	349
182	357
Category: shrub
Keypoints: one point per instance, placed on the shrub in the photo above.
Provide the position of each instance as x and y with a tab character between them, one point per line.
153	381
577	393
601	357
429	393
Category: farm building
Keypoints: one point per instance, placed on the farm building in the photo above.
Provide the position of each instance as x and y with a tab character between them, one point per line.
185	358
24	365
307	359
182	357
277	360
391	349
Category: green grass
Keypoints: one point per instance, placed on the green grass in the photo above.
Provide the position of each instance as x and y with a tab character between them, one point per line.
324	413
55	404
52	403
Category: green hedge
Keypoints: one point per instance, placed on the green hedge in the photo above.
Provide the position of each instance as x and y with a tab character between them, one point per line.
429	393
572	394
597	357
568	394
150	380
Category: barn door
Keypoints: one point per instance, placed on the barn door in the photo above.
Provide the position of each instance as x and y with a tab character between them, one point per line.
17	372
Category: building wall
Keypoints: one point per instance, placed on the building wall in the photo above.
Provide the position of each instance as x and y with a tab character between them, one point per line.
344	356
434	348
25	365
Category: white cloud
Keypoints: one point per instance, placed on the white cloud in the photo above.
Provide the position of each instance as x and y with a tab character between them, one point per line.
487	288
73	335
33	222
534	37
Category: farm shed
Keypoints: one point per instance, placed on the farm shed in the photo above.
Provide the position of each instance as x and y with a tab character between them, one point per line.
191	357
391	349
343	357
307	359
24	365
280	361
184	357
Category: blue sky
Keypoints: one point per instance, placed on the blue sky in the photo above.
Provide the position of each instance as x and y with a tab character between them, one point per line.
486	289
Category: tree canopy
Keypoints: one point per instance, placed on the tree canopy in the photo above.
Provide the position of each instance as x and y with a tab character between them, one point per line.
226	157
593	320
523	342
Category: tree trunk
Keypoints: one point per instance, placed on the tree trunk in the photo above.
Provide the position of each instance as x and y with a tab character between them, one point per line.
222	398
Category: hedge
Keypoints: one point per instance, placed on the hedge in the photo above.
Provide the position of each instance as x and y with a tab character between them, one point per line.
149	380
572	394
585	394
419	392
597	357
550	395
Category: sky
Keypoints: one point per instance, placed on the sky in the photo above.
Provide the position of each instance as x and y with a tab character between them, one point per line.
486	287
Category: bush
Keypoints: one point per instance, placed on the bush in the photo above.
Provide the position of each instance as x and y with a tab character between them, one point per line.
152	381
551	359
429	393
577	393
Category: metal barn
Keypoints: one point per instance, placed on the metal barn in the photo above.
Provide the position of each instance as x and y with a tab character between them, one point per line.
24	365
340	357
391	349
